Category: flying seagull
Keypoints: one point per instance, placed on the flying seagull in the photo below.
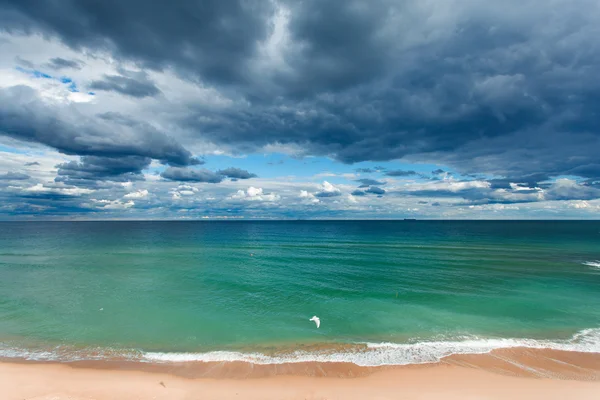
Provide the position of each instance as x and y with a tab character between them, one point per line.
317	320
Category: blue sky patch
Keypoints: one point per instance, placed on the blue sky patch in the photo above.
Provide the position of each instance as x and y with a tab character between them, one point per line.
71	86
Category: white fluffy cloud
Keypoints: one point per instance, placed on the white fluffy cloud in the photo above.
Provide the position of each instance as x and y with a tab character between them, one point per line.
69	191
114	204
448	185
183	191
308	197
140	194
255	194
328	190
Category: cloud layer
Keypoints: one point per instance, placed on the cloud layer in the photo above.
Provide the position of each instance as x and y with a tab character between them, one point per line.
497	102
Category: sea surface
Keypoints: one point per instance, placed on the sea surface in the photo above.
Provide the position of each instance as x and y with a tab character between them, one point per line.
386	292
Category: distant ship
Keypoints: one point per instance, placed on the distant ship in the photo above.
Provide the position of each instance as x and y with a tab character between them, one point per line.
410	219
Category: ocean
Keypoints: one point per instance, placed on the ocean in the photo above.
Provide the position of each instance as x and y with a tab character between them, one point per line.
386	292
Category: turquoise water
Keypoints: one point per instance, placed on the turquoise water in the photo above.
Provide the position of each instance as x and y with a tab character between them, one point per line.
413	290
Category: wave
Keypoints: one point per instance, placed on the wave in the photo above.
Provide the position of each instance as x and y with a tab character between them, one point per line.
595	264
378	354
361	354
69	354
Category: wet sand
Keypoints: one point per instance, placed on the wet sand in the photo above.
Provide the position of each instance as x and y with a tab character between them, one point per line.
517	373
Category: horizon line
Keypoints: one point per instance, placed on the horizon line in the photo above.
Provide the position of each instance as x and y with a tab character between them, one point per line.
308	220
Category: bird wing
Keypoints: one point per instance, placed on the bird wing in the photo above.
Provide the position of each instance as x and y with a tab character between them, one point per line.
316	320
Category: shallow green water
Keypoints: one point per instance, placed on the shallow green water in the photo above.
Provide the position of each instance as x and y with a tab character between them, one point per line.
197	287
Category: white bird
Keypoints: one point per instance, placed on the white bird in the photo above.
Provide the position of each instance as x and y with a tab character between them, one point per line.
316	320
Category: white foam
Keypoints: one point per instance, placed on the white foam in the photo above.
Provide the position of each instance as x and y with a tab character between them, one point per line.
363	354
66	354
376	354
595	264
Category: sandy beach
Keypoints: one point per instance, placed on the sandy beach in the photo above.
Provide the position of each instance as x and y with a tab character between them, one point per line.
515	373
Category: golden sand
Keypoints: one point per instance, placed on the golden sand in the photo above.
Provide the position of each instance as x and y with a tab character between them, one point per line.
501	374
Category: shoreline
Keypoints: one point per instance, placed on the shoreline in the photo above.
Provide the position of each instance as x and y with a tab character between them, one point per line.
467	377
275	355
517	362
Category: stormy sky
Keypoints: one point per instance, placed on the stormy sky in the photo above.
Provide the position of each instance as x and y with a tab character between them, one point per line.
299	109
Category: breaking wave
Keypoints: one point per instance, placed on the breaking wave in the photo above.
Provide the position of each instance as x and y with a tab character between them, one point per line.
361	354
594	264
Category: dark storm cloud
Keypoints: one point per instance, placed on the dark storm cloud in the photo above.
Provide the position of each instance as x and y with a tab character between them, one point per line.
341	45
438	171
236	173
93	168
209	39
370	170
467	88
325	194
500	183
47	203
47	196
13	176
507	89
135	85
591	169
190	175
24	116
30	164
400	172
50	199
375	190
59	63
365	182
204	175
358	193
